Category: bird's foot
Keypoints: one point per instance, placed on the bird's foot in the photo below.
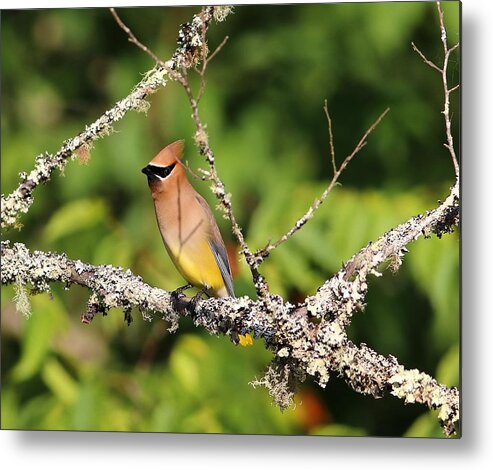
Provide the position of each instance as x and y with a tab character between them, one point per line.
177	298
192	306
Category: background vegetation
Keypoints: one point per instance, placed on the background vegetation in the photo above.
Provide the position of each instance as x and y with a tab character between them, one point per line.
263	106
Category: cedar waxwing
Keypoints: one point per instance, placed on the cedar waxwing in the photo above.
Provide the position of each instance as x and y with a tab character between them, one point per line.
188	228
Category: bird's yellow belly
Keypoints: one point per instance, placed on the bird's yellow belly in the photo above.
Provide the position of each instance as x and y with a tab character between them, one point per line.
198	266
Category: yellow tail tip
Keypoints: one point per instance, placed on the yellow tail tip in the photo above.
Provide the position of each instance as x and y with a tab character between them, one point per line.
246	340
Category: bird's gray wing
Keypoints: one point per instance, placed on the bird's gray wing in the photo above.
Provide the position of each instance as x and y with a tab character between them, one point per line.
218	249
219	252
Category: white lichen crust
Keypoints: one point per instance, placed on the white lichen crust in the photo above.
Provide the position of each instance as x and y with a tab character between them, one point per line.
111	287
222	11
414	386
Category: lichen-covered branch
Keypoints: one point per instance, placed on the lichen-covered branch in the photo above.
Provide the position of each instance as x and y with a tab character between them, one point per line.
343	294
189	43
110	286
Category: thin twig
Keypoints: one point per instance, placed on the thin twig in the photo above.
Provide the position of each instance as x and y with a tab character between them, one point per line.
205	62
263	253
188	168
331	139
453	48
217	50
443	72
134	40
426	60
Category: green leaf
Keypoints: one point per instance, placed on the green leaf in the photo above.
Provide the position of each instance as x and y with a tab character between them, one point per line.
425	425
48	317
449	366
10	410
434	265
74	217
60	382
185	362
338	430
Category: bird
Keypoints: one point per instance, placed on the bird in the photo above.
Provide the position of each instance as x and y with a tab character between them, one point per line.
188	228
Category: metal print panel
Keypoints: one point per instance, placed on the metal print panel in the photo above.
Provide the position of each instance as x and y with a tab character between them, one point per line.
238	220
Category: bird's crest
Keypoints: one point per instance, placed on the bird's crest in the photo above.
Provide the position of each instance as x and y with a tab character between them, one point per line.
169	155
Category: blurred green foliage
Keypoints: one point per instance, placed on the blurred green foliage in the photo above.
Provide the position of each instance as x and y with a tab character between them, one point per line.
263	106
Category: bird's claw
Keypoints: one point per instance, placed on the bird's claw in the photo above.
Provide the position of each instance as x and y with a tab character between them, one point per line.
192	305
177	298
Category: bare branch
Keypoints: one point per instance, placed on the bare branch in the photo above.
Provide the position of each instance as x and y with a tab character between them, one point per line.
262	254
443	72
443	30
454	88
134	40
453	48
216	51
205	62
446	106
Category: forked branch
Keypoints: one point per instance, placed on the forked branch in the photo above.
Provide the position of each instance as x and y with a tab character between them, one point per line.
262	254
446	90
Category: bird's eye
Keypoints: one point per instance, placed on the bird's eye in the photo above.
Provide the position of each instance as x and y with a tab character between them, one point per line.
160	172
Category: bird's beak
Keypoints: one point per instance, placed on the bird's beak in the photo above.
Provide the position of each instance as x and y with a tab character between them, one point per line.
151	176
